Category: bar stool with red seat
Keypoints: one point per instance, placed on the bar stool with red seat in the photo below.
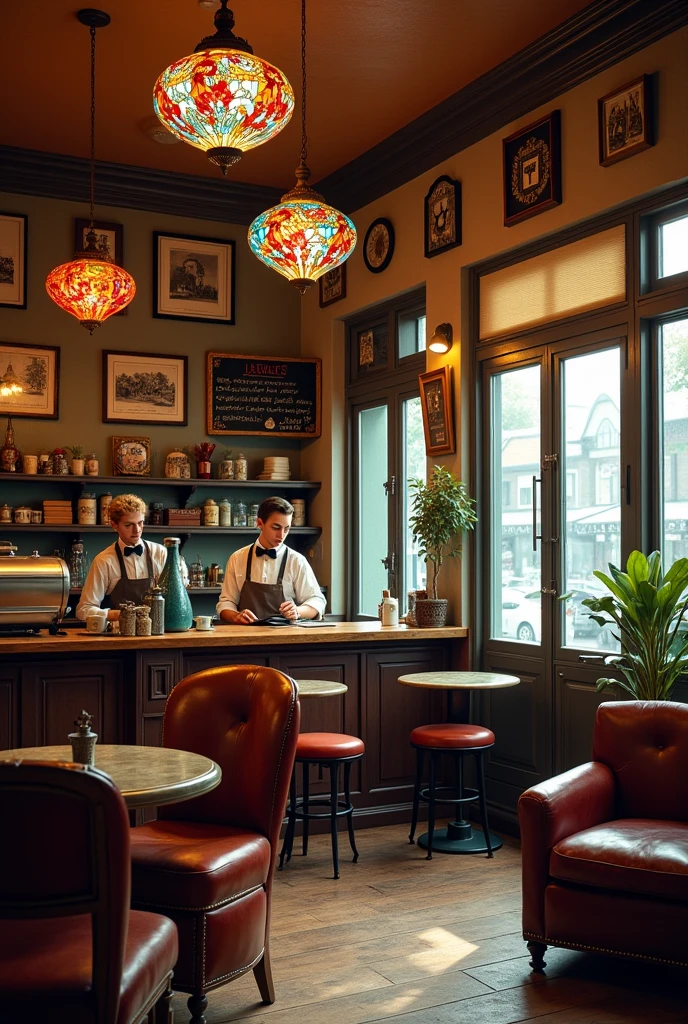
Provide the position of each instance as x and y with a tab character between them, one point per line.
327	750
458	740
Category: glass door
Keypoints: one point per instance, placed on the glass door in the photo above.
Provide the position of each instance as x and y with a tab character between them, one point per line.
371	514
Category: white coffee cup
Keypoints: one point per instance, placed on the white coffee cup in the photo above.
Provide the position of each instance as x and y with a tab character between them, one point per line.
203	621
96	621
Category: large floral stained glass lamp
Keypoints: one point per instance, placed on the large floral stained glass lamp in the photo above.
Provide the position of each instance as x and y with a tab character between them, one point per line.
302	237
222	98
92	287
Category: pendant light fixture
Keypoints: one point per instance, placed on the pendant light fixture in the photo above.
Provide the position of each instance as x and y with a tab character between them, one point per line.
302	237
221	98
92	287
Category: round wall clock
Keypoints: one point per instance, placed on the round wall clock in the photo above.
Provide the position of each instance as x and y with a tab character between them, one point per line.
378	245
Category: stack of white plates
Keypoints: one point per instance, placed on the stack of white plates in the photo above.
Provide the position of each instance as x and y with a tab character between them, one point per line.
275	467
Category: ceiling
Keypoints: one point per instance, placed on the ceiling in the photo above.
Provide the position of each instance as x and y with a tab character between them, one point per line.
373	66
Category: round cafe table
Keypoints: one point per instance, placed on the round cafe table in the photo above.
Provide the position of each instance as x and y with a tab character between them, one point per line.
458	836
145	776
319	687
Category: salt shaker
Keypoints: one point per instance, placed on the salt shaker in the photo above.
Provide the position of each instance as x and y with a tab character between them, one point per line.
84	741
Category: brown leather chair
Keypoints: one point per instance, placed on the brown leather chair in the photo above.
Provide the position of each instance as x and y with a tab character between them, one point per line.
209	862
71	951
605	845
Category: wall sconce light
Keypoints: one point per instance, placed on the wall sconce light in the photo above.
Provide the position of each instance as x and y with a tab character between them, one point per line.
442	338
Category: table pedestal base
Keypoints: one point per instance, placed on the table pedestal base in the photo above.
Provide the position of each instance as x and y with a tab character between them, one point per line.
459	837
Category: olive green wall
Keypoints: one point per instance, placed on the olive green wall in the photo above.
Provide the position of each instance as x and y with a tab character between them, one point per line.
267	315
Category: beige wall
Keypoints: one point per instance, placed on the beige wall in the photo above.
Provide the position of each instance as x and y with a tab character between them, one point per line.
267	323
587	190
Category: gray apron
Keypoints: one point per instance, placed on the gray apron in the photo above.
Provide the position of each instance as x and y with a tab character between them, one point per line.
126	589
263	599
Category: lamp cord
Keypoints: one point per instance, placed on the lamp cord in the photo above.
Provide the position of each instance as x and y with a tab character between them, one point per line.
304	142
93	119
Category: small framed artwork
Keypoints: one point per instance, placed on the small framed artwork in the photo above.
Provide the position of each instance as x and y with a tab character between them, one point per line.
436	404
140	387
532	169
131	456
442	216
624	119
13	260
109	238
366	348
193	278
29	380
333	285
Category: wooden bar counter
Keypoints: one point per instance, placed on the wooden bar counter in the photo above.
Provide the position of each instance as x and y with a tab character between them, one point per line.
124	682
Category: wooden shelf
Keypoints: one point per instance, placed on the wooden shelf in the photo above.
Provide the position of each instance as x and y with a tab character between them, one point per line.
163	481
171	531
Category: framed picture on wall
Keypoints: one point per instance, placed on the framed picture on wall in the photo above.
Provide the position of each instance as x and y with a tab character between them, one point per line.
193	278
436	405
442	216
624	119
131	456
29	380
532	169
109	238
333	285
140	387
13	260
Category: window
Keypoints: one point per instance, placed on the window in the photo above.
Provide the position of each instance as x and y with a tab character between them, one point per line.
506	493
525	491
673	358
411	334
673	247
607	435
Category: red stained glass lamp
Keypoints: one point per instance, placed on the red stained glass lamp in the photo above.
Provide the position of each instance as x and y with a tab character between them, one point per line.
222	98
92	287
302	237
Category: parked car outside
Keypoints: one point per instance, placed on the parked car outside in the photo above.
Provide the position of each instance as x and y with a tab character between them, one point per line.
521	615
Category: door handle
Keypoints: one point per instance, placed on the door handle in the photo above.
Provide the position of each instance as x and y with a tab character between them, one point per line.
390	562
590	657
536	536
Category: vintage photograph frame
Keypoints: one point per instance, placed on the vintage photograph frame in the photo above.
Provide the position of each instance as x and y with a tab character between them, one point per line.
625	121
438	417
37	369
532	169
442	216
333	286
110	238
13	260
134	390
131	456
193	278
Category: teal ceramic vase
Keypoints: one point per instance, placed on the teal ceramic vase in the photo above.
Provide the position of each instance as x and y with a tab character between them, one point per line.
178	611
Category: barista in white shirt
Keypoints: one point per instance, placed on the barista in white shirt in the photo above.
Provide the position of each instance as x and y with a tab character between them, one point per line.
268	578
128	568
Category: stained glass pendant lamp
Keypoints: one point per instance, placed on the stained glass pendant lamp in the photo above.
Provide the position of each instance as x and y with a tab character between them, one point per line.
222	98
92	287
302	237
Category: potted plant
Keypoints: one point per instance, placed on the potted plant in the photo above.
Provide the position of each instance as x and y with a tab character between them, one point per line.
77	451
646	607
441	509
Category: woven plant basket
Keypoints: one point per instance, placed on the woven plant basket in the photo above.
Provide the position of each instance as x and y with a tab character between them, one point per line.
431	612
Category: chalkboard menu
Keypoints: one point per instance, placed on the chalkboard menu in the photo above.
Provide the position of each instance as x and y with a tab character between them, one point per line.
263	395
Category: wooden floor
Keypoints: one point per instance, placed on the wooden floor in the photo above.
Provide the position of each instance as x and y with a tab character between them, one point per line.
397	937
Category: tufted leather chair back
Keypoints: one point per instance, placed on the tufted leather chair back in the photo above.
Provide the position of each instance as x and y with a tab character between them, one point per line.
65	851
246	718
645	743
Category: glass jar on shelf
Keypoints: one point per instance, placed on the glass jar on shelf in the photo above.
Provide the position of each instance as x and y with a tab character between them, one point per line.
156	513
86	509
92	464
239	517
225	515
252	515
210	513
240	467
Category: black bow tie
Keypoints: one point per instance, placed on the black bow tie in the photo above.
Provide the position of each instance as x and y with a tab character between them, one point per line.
138	550
270	552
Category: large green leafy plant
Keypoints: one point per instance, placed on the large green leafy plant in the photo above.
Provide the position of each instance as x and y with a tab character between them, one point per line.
647	607
441	510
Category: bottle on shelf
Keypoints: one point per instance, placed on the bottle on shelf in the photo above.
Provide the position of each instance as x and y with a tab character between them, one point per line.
9	453
178	611
92	465
225	515
77	565
86	509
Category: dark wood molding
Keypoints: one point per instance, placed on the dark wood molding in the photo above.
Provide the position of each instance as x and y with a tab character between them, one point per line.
31	172
602	34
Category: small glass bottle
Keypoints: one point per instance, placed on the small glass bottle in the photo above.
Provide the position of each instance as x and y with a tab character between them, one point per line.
92	467
6	513
86	509
240	467
252	517
239	518
9	453
225	513
105	500
77	565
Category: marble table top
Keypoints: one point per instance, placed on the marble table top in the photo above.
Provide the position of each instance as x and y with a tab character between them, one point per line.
459	680
145	776
320	688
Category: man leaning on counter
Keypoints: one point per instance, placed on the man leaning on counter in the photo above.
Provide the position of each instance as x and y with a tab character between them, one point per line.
268	578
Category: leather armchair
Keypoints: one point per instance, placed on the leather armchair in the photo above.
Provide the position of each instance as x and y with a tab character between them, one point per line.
71	951
208	863
605	845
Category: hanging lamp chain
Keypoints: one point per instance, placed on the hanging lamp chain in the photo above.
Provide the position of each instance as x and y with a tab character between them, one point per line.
304	141
93	119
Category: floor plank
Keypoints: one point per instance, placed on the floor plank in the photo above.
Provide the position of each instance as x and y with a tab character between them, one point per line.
398	938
